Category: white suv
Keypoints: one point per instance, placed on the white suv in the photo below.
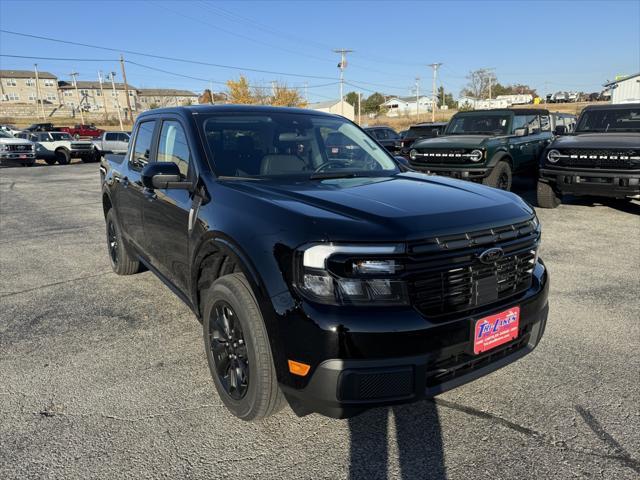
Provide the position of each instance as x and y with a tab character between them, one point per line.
61	147
16	149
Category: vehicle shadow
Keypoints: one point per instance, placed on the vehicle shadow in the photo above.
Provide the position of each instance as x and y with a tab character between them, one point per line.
417	436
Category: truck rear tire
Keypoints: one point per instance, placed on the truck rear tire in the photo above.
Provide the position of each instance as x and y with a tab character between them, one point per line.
238	350
122	261
500	177
547	195
62	156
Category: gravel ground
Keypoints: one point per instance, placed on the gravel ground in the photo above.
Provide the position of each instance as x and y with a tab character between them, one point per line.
105	377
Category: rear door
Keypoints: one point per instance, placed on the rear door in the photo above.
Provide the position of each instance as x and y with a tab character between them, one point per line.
128	190
166	212
110	142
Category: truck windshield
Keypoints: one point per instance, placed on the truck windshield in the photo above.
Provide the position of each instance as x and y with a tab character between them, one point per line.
614	120
484	124
265	145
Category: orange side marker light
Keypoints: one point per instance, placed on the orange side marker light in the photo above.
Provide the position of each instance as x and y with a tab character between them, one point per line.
298	368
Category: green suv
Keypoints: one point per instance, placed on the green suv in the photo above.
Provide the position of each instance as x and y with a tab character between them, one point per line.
487	146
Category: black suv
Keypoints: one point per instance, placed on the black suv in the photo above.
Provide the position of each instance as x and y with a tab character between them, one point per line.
334	283
387	137
601	158
419	131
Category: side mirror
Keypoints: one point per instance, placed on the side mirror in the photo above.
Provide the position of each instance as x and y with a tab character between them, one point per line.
163	175
560	130
521	132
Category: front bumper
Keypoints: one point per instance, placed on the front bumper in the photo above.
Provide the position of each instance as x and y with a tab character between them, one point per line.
464	173
18	156
401	359
602	183
82	153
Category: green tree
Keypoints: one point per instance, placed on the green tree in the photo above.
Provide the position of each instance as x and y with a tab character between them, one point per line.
352	99
373	102
446	98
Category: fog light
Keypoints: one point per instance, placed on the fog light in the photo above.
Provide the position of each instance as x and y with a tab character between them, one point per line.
320	285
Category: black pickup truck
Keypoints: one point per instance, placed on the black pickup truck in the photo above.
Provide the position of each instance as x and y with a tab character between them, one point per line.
601	157
334	283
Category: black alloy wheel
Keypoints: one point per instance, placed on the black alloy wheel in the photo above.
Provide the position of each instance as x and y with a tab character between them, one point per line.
503	181
229	350
112	239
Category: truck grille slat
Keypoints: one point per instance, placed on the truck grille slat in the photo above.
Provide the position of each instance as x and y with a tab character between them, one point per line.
444	281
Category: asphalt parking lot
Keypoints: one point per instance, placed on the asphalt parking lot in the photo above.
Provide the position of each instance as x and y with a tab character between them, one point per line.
104	376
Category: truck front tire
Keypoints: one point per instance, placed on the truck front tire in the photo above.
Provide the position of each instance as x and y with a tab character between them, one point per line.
547	195
500	177
238	350
63	157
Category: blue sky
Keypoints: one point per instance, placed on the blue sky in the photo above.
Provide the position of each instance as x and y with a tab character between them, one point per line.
550	45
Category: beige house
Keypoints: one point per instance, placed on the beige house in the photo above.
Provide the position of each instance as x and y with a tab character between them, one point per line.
19	86
91	98
165	97
335	106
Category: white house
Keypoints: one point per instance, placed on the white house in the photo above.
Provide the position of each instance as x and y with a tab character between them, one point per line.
482	104
336	107
398	106
625	90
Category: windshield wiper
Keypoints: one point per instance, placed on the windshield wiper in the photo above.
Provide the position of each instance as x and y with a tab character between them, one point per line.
329	175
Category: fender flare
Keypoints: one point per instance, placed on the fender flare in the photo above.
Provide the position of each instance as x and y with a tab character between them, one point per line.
499	156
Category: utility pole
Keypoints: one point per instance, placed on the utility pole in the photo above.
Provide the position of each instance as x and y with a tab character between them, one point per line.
210	92
434	100
75	85
306	92
115	95
342	65
360	108
126	88
418	98
39	99
104	99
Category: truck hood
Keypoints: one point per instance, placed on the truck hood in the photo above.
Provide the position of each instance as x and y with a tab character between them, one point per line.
619	140
15	141
454	141
405	206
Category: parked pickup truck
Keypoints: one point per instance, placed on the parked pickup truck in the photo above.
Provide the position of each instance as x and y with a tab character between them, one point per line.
82	131
60	147
16	150
335	284
487	146
111	142
41	127
601	158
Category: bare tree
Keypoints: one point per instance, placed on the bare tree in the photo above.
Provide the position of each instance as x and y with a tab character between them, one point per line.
479	83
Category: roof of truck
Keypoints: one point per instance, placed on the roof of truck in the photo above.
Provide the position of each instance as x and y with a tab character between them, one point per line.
611	106
208	109
517	111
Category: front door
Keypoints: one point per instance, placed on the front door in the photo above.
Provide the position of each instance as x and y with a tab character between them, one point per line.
166	212
128	191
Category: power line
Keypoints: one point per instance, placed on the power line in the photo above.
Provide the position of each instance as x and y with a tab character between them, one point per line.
61	59
163	57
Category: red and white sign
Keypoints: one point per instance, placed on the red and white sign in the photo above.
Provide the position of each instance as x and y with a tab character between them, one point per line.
496	330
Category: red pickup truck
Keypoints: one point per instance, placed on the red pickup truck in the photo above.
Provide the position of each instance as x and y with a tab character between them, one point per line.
82	131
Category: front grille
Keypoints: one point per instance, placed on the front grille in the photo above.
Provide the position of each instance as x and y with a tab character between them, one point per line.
446	274
81	146
599	158
441	155
26	148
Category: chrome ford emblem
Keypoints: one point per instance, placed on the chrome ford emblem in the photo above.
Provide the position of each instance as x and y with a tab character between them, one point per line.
492	255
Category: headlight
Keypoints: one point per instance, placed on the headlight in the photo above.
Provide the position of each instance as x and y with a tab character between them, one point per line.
413	154
351	274
476	155
553	156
